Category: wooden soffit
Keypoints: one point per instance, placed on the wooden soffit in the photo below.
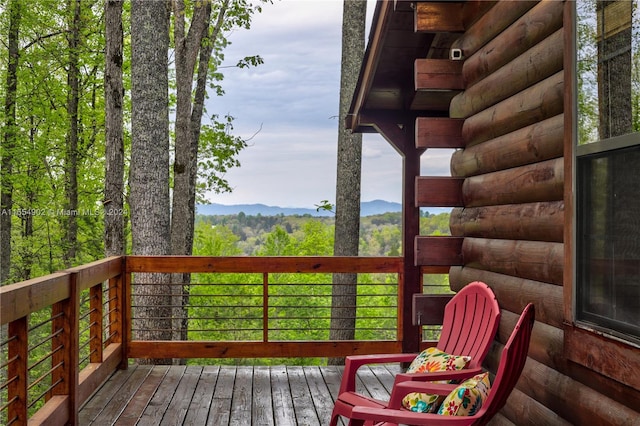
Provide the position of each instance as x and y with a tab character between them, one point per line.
401	32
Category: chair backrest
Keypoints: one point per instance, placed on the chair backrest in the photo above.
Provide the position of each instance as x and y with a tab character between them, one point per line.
470	323
514	356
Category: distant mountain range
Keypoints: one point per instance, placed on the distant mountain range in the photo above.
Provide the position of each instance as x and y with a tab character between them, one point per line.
367	208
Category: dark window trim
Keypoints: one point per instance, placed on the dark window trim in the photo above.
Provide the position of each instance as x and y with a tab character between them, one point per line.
610	144
583	343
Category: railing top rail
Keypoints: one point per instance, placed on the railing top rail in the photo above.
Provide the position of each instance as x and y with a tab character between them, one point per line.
47	290
20	299
259	264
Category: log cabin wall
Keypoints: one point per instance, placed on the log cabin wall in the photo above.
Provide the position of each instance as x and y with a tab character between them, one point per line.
508	180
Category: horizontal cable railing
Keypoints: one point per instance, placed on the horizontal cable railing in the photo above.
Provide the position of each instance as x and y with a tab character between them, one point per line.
63	334
58	340
242	307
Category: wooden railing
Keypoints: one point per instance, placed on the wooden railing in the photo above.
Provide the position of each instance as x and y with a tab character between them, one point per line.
61	337
65	333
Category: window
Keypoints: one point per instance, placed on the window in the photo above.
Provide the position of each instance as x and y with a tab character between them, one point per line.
608	167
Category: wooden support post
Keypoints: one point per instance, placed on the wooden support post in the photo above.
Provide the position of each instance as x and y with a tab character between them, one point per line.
125	301
17	374
265	307
65	347
410	229
115	320
96	327
400	133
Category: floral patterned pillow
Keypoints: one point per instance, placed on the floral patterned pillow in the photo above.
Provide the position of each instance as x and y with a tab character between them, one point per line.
433	359
467	399
430	360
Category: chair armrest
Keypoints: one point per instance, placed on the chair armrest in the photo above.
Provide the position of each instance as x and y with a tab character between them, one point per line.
408	417
402	389
353	363
424	382
463	374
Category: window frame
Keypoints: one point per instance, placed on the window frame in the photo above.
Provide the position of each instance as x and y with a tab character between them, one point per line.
607	354
587	151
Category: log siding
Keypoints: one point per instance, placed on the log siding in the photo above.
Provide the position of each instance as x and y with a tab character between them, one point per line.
512	224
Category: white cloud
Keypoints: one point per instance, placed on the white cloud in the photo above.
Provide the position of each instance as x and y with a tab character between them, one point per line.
294	98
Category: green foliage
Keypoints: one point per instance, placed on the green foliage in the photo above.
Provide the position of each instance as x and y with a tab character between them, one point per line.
217	154
229	306
40	170
325	205
380	235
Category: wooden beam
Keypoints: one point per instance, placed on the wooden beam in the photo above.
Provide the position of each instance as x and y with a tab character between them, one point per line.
439	191
98	271
534	26
40	292
438	74
530	221
372	56
94	374
438	250
538	182
608	356
490	24
513	293
396	128
534	104
270	264
541	61
434	269
428	309
535	260
213	349
537	142
438	17
439	132
54	412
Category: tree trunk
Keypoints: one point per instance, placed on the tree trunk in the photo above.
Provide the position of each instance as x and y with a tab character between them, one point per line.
183	208
71	154
149	170
190	49
114	144
347	224
8	141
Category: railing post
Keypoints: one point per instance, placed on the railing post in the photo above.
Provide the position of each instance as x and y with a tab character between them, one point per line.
400	307
95	317
17	371
265	307
65	361
124	303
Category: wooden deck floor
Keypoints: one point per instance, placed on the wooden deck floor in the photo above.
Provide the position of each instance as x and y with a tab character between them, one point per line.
235	396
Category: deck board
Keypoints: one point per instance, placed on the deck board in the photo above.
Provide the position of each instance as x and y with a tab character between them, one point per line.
202	397
143	396
226	395
262	408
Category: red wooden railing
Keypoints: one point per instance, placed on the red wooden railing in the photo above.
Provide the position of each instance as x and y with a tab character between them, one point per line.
65	333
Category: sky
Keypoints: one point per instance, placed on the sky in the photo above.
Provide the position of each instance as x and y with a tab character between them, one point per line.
288	106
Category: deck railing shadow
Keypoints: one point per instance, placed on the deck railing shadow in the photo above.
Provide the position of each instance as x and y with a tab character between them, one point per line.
65	333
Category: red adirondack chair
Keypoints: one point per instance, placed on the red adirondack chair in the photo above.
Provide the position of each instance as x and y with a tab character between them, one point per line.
469	325
514	356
